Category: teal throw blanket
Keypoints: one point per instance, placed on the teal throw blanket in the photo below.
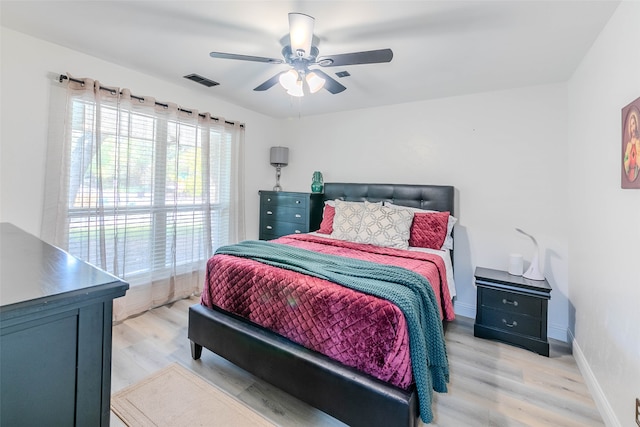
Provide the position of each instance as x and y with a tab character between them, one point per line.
412	294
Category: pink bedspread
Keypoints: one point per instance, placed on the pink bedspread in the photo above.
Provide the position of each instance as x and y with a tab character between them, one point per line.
358	330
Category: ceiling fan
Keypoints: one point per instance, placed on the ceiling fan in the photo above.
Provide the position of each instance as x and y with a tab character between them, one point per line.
301	53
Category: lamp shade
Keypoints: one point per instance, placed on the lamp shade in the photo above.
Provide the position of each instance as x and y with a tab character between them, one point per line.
296	90
301	34
288	79
279	156
315	82
292	83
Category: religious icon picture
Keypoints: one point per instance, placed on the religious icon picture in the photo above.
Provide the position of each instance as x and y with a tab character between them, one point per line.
631	145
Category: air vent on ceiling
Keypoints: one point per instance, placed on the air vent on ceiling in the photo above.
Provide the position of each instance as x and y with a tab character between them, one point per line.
202	80
342	74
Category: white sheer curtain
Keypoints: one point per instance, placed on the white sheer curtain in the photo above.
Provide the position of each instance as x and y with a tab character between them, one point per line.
143	190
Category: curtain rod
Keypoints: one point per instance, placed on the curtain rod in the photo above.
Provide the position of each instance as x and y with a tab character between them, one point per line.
64	77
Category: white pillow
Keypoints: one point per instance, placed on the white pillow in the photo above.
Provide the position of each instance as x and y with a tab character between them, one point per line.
346	221
385	226
448	241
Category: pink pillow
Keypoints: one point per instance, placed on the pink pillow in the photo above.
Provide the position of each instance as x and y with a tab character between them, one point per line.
429	230
326	226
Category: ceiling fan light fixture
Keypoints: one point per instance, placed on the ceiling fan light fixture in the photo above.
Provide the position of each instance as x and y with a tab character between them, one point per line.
288	79
296	90
301	33
315	82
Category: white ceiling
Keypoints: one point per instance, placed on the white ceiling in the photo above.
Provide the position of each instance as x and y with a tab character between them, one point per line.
441	48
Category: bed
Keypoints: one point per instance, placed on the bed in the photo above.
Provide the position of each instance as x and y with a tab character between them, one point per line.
344	392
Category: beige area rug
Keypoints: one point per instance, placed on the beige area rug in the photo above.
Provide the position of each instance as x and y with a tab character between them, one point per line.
176	397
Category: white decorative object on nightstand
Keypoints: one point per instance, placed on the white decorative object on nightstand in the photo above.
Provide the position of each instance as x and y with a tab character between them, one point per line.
533	272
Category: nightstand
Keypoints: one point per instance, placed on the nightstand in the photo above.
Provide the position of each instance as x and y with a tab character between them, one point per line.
285	212
512	309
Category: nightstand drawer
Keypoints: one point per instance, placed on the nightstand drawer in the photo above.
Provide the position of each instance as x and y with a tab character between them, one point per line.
512	302
511	322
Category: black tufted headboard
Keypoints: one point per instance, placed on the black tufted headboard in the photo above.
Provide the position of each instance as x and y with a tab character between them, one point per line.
432	197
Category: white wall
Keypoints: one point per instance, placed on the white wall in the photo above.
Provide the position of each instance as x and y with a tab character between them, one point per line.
30	66
505	153
604	231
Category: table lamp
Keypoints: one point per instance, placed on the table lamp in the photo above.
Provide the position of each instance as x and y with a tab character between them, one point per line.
279	158
533	272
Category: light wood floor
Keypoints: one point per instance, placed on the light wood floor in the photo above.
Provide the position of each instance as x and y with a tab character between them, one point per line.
492	384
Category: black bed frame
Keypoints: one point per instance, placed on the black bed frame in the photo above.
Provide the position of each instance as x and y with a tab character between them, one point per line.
349	395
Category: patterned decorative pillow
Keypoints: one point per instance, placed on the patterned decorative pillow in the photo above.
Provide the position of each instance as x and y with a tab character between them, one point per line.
429	230
448	241
346	221
326	226
385	226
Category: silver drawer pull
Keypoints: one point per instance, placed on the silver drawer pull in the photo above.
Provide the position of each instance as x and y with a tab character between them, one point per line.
298	231
506	301
271	213
269	227
510	325
297	202
298	216
268	199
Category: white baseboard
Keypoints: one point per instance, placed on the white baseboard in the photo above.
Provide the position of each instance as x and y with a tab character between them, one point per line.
608	415
465	310
558	332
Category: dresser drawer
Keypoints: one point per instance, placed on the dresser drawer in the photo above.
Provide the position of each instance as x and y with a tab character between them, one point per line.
280	228
511	322
512	302
284	200
297	214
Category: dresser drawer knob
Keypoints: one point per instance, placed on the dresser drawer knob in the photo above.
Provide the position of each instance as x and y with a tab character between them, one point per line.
297	202
298	231
510	325
269	227
298	216
506	301
271	213
268	199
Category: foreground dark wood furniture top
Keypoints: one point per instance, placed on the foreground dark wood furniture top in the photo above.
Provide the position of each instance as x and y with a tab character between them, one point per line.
344	393
55	335
512	309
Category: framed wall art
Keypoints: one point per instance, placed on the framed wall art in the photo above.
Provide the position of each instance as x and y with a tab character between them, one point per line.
631	145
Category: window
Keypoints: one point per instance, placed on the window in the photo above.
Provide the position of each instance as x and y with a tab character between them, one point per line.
149	189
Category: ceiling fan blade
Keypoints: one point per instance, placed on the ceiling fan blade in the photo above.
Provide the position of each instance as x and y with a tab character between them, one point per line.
355	58
223	55
270	83
330	83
